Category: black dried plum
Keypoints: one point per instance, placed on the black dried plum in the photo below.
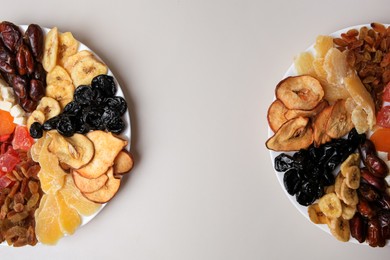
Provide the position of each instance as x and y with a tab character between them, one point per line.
315	153
355	138
116	103
108	115
115	125
51	124
333	162
93	117
83	95
98	97
307	194
292	181
283	162
301	159
36	130
327	178
65	126
105	83
72	108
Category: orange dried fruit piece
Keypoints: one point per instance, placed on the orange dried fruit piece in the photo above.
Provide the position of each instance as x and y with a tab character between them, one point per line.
75	199
276	115
69	218
292	135
48	228
7	125
300	92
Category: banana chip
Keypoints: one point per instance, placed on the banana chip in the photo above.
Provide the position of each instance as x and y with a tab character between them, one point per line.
86	69
58	76
71	61
67	46
49	60
63	94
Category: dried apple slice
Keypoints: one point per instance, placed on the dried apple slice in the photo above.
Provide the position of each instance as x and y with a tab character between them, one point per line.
339	123
123	163
107	146
300	92
319	126
89	185
293	113
276	114
107	192
292	135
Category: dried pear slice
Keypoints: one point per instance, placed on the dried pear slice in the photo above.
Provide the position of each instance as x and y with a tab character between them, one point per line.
293	113
75	151
339	123
319	127
276	114
292	135
300	92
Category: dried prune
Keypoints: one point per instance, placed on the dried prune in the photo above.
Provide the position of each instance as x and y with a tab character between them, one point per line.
106	83
327	178
292	181
355	138
34	38
307	194
73	108
115	125
333	162
83	95
81	126
51	124
65	126
93	117
283	162
116	103
36	130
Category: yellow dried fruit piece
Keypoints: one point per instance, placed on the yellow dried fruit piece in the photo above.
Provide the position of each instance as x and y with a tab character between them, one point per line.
336	66
67	46
323	44
50	184
69	218
304	64
48	161
47	228
75	199
58	77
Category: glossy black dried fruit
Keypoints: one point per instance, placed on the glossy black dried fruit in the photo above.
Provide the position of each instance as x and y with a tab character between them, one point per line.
292	181
93	117
105	83
51	124
116	103
115	125
83	95
307	194
73	108
283	162
36	130
65	126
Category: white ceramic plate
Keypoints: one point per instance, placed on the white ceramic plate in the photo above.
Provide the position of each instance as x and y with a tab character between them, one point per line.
126	134
302	209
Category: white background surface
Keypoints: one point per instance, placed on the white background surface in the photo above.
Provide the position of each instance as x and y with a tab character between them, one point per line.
199	76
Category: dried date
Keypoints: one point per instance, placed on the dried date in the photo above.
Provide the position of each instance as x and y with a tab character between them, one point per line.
37	90
24	61
19	84
358	228
374	233
376	166
34	37
11	35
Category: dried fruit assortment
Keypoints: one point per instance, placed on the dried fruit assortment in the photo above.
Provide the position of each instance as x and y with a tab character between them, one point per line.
61	153
334	100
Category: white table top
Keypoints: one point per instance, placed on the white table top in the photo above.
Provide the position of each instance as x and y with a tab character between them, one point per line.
199	76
